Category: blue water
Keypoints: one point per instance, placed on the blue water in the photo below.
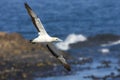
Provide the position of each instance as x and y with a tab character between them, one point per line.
63	17
87	17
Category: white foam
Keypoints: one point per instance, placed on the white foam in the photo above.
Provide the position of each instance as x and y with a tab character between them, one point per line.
105	50
111	44
72	38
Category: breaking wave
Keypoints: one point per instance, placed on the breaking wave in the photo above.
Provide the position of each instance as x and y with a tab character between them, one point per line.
111	43
71	39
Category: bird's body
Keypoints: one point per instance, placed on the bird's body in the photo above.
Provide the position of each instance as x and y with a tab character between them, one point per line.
43	38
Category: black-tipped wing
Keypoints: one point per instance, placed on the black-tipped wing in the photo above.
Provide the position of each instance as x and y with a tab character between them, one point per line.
55	52
36	21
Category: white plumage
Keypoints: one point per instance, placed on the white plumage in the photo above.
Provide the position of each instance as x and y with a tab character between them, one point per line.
42	34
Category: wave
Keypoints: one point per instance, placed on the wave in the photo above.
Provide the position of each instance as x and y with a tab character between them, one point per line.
111	43
79	40
104	50
72	38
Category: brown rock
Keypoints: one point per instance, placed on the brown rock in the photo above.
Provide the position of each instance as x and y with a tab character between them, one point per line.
13	47
22	57
2	34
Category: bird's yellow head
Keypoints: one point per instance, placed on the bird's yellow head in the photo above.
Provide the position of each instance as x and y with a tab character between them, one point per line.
56	39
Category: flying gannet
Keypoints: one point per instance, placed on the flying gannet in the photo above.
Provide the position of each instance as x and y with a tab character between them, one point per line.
42	34
44	37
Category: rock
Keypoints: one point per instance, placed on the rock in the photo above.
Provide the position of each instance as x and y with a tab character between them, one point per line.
14	47
2	34
22	57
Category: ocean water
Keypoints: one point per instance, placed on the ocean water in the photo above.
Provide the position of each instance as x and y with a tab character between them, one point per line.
86	26
61	18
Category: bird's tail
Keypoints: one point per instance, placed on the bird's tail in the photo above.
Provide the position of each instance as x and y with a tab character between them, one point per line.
31	41
64	63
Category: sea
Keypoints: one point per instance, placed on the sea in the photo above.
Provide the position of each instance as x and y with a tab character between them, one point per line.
88	28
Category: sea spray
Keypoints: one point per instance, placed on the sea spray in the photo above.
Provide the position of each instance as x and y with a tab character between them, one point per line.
72	38
104	50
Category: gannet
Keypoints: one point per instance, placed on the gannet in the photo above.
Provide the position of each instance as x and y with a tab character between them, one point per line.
42	34
44	37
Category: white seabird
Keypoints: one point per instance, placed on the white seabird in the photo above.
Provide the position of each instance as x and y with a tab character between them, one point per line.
44	37
42	34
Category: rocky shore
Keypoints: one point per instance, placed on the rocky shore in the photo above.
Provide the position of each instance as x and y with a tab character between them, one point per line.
19	58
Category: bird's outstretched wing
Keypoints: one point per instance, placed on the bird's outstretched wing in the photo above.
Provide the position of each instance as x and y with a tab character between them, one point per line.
36	21
55	52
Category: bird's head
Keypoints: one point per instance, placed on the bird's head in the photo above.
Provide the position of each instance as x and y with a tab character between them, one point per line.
56	39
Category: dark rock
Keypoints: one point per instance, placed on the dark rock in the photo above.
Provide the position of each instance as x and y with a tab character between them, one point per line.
104	64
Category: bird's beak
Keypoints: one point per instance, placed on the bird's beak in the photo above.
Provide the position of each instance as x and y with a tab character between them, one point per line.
60	40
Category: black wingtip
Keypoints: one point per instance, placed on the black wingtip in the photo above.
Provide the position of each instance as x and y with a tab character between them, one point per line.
67	66
26	5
